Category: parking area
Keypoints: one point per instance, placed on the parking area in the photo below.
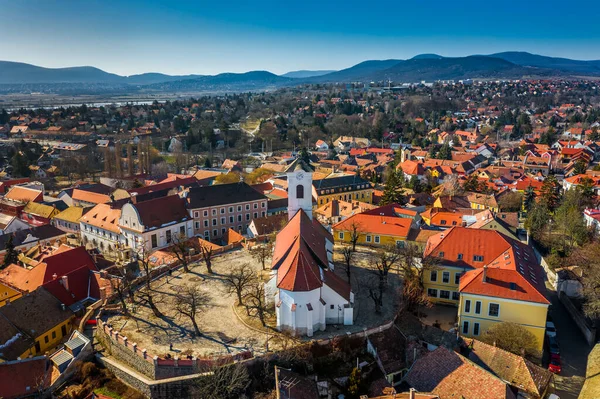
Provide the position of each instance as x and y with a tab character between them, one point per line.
574	351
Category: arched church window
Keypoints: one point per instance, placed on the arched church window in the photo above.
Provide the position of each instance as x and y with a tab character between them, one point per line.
299	191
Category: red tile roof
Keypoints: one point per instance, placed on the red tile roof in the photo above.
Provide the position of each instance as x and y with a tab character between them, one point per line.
376	224
299	255
452	376
507	261
22	378
159	211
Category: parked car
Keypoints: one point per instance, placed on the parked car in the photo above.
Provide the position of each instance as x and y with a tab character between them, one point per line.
550	329
553	346
555	365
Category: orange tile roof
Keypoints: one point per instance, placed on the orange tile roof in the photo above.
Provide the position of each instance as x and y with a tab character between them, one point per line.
507	261
103	216
23	194
91	197
376	224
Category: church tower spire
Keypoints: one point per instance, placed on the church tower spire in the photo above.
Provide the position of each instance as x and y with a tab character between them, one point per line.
299	176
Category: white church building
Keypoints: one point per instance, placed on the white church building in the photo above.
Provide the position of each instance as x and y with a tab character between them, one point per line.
307	294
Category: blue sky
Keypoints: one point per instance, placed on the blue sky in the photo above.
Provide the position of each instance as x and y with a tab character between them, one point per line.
180	37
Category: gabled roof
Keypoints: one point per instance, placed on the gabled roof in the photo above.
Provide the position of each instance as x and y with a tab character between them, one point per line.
23	194
376	224
62	263
221	194
40	210
71	214
160	211
36	313
103	216
89	196
516	370
453	376
512	268
26	376
299	255
33	234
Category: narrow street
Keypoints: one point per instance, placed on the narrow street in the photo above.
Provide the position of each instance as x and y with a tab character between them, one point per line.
573	351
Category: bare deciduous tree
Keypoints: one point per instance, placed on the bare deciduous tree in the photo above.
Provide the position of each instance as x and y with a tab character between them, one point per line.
181	250
384	260
375	291
207	254
348	255
189	302
239	280
256	305
226	382
412	269
355	231
262	252
144	263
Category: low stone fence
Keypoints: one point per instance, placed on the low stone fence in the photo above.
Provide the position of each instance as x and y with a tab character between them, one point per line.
89	313
152	366
588	332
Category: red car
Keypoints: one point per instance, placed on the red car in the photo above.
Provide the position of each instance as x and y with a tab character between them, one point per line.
554	365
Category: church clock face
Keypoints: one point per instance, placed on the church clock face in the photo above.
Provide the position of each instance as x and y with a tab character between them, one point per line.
300	176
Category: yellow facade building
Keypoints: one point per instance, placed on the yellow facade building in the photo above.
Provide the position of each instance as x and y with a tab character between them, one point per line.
342	187
490	277
384	226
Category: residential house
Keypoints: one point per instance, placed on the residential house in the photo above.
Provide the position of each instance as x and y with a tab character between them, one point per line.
34	236
33	324
506	223
25	193
373	228
11	223
82	200
483	201
36	214
217	208
154	224
28	377
527	379
336	210
451	375
491	277
267	225
99	228
68	220
388	347
68	273
321	145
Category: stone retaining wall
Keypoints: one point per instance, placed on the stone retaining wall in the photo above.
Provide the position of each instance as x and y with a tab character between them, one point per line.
152	366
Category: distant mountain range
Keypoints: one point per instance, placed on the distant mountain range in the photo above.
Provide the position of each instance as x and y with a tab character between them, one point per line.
21	77
306	74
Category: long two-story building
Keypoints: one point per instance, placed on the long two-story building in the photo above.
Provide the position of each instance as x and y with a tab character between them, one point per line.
216	209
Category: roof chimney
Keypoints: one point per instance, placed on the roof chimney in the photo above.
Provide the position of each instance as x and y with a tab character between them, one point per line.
411	393
65	282
485	273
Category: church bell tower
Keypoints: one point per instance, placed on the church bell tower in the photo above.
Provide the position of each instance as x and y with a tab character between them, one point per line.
299	176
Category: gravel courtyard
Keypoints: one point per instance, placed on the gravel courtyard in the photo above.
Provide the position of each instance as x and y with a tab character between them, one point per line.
223	333
222	330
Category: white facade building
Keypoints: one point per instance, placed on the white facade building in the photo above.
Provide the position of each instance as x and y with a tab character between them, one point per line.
306	293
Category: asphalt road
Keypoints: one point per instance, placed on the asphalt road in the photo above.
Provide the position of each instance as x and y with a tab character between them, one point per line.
574	351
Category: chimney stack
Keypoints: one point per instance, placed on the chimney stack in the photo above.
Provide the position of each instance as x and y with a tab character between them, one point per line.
65	282
411	393
485	273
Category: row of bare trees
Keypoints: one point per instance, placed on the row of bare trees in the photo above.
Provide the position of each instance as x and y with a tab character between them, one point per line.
249	290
